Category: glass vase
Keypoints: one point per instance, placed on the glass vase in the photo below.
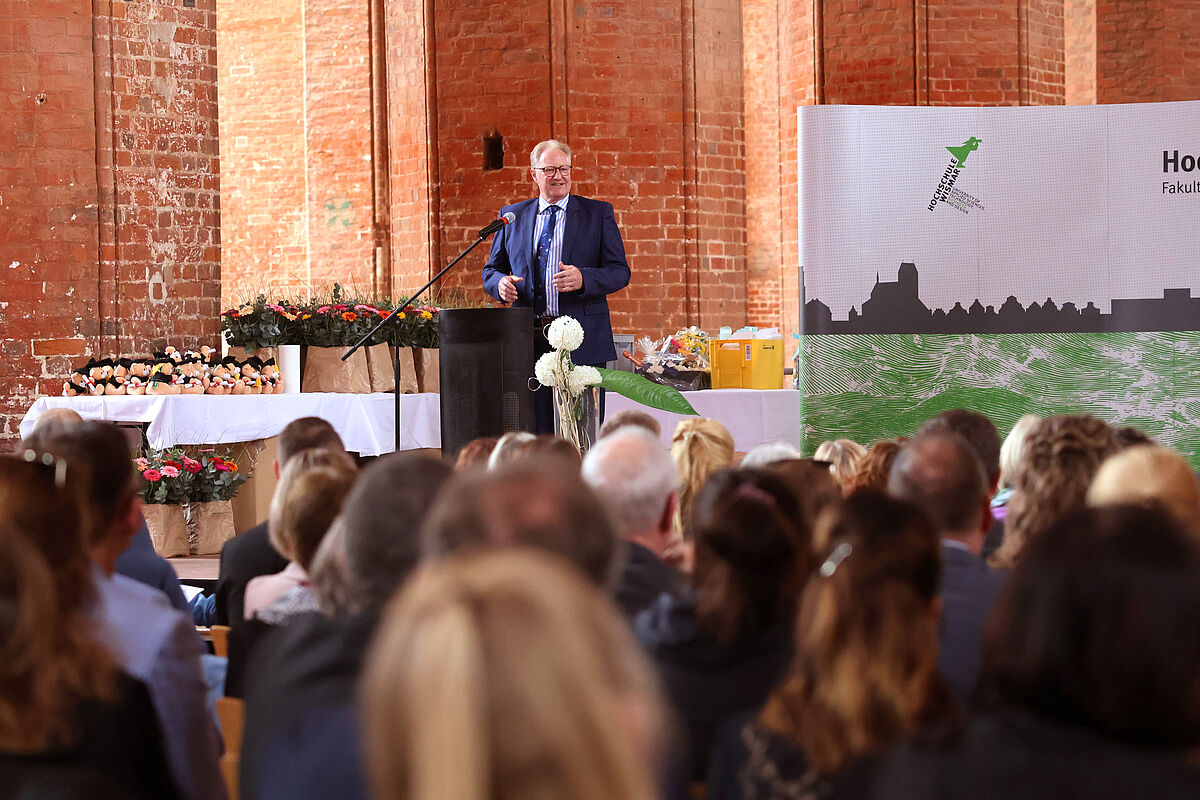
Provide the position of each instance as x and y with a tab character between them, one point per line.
577	419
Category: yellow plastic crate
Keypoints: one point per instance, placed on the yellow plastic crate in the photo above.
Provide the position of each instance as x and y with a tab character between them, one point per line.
746	363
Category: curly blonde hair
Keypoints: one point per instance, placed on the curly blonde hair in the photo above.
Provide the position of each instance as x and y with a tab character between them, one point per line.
843	455
1060	457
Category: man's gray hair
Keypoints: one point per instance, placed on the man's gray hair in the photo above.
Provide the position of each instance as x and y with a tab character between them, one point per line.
634	476
539	150
769	453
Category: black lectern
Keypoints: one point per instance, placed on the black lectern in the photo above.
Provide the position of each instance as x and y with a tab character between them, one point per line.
487	365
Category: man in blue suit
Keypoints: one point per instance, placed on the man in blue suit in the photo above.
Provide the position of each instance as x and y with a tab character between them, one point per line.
562	256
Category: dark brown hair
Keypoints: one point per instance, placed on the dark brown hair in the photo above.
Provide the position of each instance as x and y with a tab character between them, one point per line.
1099	626
753	552
531	502
873	469
979	431
306	433
865	671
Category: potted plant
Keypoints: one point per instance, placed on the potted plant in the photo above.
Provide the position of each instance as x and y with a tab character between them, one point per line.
215	481
259	326
166	484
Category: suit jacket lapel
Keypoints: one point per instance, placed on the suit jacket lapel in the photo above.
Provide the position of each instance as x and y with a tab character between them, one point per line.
574	208
523	237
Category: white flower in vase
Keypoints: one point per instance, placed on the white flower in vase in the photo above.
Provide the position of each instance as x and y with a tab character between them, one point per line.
546	370
565	334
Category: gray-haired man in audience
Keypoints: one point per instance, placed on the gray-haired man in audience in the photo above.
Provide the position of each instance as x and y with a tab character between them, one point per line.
636	479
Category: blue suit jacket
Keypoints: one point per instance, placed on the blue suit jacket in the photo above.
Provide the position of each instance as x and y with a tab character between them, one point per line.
969	588
592	243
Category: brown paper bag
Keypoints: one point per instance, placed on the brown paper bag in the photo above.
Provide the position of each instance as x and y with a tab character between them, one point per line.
379	364
210	526
429	369
408	372
324	371
168	529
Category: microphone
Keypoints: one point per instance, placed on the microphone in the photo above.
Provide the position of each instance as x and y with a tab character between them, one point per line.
497	224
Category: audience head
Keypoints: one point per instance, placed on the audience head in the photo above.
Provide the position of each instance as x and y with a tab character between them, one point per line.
529	503
1099	626
865	670
507	448
378	540
1061	457
978	431
634	476
1129	436
505	676
49	658
1149	475
630	416
766	454
1014	448
843	456
940	473
306	433
42	496
101	454
753	552
811	483
57	416
307	498
476	453
699	448
876	466
550	448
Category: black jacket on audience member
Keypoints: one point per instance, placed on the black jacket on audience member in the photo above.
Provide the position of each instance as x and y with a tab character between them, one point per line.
969	588
707	683
243	558
301	738
643	579
1011	753
119	754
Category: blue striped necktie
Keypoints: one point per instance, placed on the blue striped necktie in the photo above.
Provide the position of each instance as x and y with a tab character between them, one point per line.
543	254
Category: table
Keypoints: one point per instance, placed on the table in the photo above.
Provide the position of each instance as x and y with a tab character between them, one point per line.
753	416
364	421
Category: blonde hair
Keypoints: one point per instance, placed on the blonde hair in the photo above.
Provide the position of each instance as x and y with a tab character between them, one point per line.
843	455
503	675
312	486
699	448
865	670
1013	447
1060	457
1149	475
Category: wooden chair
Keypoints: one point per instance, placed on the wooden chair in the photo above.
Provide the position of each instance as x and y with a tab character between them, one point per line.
220	640
232	713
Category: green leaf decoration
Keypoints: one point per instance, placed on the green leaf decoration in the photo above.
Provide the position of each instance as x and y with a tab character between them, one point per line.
646	392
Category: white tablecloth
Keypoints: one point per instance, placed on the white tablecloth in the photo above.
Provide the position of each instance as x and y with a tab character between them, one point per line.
753	416
364	421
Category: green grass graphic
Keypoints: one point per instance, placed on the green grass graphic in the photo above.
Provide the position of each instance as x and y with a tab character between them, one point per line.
868	387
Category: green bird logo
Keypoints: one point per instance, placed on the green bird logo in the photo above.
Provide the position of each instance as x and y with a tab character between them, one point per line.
963	150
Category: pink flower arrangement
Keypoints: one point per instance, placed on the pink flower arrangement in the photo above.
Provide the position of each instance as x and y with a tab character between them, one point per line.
170	472
191	465
151	475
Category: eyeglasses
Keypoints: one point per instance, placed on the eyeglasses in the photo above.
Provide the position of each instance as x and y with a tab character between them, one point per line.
550	172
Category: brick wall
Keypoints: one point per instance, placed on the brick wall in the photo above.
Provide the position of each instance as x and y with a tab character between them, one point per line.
1079	32
264	221
108	187
1144	52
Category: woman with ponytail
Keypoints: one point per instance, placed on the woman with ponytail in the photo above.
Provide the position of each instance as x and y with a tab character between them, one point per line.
724	642
504	675
865	673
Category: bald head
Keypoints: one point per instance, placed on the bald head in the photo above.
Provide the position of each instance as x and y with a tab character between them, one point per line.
941	473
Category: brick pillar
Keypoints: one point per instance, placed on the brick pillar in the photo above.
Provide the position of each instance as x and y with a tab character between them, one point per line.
921	52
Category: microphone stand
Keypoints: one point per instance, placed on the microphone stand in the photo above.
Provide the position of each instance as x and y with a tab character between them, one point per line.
484	234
